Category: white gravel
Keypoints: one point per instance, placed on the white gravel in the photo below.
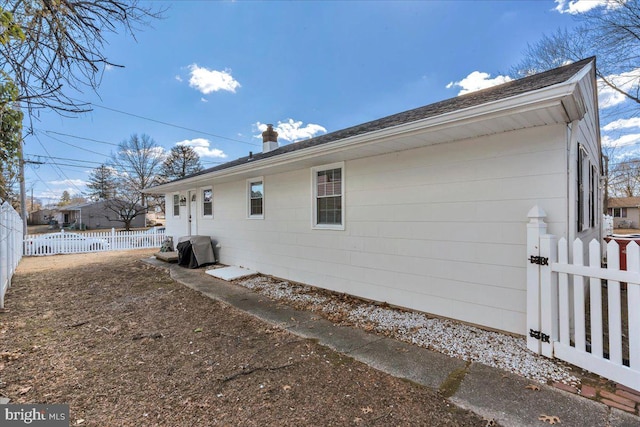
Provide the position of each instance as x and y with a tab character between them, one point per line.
452	338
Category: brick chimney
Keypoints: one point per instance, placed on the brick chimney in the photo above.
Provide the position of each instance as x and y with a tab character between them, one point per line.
269	139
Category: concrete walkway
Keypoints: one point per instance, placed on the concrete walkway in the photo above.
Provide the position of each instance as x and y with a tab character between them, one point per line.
491	393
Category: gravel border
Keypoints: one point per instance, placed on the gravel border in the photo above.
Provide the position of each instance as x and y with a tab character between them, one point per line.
455	339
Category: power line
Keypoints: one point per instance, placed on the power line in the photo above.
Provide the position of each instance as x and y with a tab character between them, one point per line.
79	137
63	158
53	161
171	124
74	146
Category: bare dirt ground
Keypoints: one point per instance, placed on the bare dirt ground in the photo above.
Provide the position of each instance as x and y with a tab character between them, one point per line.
124	345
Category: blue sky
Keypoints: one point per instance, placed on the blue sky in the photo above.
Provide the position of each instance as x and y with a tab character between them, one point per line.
223	69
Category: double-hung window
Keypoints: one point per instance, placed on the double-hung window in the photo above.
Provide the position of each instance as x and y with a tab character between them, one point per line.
255	191
328	196
176	205
207	203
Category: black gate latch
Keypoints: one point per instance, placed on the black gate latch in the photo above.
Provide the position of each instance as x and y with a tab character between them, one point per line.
539	335
540	260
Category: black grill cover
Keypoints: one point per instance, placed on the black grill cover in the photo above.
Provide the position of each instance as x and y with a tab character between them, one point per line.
186	257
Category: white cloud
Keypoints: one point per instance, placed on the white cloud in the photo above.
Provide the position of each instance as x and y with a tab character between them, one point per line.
622	124
608	97
202	147
207	81
178	78
108	67
76	182
204	100
291	130
477	81
622	141
575	7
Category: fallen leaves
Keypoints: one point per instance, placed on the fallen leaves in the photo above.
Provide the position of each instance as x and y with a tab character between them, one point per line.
367	410
551	419
8	356
286	387
24	390
533	387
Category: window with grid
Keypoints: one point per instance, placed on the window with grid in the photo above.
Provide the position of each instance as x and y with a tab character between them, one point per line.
617	212
176	205
328	189
256	199
207	202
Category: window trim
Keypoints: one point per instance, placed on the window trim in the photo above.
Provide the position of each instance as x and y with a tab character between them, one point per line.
202	202
248	195
314	196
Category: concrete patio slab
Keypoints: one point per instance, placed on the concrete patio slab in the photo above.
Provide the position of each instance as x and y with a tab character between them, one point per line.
231	273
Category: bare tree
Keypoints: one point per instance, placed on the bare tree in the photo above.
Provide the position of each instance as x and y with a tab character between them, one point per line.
127	206
611	33
60	48
624	179
181	161
138	160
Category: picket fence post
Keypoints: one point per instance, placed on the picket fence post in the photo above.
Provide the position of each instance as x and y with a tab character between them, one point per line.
535	228
548	295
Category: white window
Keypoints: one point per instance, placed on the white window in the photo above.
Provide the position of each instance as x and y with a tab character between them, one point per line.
328	196
587	191
176	205
207	203
255	194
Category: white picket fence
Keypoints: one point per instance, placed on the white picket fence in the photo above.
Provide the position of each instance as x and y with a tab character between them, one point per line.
580	312
66	242
10	246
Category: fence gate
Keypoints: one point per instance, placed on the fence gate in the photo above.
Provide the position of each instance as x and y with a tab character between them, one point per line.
580	312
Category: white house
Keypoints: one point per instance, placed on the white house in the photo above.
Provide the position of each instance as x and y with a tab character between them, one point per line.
425	209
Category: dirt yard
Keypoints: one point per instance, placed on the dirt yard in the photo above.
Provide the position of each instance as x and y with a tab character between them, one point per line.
124	345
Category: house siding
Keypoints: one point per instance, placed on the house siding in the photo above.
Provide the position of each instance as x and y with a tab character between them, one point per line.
441	229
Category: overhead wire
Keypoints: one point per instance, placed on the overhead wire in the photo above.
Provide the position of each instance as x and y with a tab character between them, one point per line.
171	124
54	162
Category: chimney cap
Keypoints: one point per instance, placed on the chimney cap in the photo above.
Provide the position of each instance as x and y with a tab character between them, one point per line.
269	135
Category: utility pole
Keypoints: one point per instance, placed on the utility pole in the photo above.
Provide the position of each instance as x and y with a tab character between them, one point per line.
23	191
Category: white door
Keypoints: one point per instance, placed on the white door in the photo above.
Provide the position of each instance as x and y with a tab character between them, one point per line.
193	214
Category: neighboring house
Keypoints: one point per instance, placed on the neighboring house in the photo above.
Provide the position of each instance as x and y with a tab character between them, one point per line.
42	216
625	211
425	209
95	215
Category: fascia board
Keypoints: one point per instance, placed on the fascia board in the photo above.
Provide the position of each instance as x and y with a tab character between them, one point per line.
541	98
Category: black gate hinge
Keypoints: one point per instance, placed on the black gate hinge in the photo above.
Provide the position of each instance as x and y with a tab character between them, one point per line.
540	260
539	335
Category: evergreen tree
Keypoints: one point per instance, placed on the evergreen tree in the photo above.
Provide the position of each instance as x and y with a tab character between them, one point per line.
65	199
102	183
181	161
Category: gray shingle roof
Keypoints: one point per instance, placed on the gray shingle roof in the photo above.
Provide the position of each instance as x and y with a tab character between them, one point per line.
495	93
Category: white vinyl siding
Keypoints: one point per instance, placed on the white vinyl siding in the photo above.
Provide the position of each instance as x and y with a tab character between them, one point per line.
439	229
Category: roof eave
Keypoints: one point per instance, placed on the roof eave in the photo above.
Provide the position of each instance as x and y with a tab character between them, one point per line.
567	94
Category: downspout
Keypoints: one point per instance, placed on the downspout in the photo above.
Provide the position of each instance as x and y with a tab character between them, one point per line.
572	183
